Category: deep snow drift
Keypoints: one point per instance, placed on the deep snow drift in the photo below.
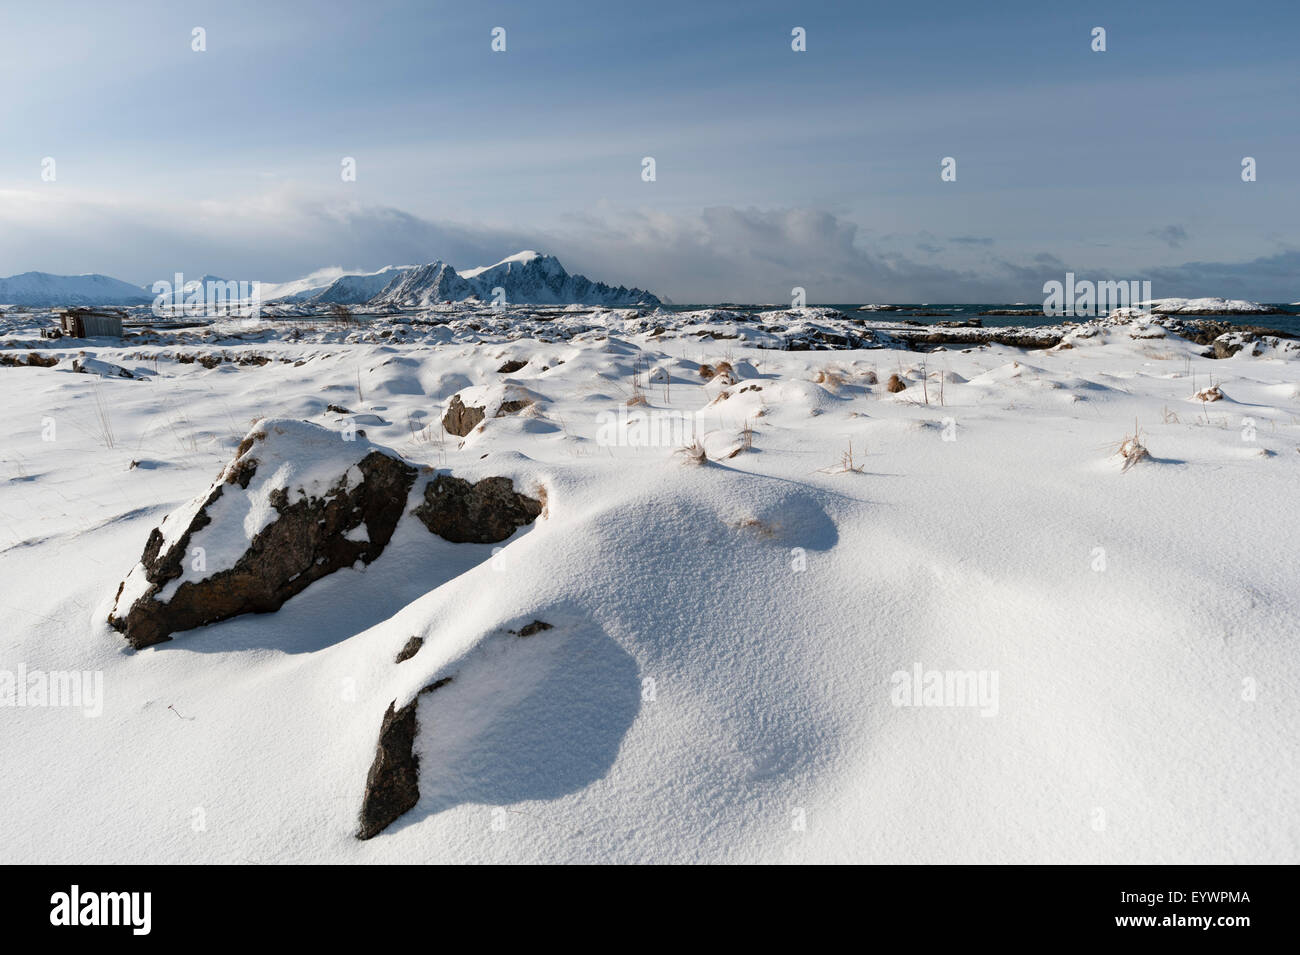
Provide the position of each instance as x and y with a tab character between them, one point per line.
795	613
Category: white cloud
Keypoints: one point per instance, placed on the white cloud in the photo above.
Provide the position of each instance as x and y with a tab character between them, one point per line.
720	253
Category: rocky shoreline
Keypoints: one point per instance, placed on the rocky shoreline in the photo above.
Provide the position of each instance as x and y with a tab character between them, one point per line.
797	329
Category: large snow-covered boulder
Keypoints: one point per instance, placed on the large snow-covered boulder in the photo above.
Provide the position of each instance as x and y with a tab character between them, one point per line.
471	406
298	502
486	512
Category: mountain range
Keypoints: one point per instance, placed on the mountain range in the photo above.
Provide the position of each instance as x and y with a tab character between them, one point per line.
526	278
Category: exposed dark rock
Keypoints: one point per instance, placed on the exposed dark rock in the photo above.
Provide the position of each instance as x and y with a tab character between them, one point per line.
1204	331
86	366
1170	309
537	626
484	513
1027	338
512	407
411	648
393	783
307	540
337	409
510	367
34	359
461	420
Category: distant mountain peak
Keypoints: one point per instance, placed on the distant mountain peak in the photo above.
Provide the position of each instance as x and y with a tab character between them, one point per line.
44	289
525	278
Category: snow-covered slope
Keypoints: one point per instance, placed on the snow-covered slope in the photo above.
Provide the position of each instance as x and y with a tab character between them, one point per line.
191	288
436	282
733	643
531	278
300	290
356	289
526	278
45	289
519	258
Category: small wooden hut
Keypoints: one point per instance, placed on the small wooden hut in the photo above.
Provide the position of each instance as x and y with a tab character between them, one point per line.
90	322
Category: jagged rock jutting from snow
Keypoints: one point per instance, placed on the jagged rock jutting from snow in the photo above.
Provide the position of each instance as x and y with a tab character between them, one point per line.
296	504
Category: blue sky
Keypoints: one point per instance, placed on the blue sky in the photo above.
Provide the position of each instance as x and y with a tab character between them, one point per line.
774	168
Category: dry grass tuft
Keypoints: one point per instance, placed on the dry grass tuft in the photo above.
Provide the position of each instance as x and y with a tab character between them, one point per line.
1212	393
1132	450
248	442
847	464
829	377
103	417
760	528
693	454
895	384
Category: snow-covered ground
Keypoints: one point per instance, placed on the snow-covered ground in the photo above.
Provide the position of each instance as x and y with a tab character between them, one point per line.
733	640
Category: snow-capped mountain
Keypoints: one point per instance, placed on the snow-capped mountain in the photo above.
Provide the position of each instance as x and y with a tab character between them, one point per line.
179	296
520	258
300	290
436	282
531	278
526	278
355	289
42	289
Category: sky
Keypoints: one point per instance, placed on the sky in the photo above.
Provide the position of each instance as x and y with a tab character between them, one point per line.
773	168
